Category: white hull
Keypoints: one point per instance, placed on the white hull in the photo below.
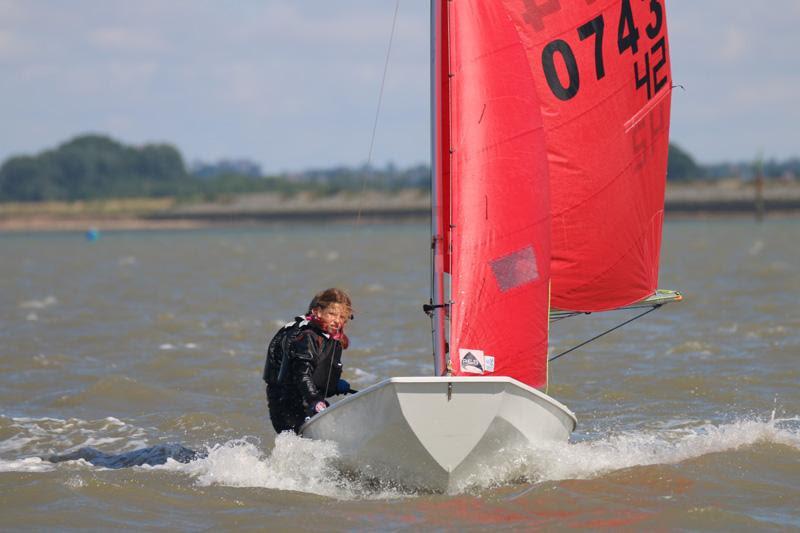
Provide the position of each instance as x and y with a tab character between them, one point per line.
413	432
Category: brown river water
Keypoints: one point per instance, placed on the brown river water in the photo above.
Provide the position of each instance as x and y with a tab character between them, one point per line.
687	419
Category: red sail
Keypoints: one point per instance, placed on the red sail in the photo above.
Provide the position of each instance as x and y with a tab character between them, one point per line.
499	218
601	69
552	122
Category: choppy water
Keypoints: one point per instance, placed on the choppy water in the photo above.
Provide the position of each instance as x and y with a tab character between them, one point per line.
688	418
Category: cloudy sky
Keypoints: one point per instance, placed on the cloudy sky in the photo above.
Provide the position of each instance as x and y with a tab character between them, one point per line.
293	84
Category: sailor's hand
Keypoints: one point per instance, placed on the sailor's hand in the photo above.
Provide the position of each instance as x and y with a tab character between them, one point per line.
320	406
343	387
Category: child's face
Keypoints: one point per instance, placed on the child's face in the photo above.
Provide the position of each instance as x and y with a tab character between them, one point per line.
332	318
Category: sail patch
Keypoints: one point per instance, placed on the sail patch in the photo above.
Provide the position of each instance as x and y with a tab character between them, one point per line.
515	269
471	361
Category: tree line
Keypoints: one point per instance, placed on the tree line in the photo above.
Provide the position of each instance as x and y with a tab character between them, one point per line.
96	166
92	167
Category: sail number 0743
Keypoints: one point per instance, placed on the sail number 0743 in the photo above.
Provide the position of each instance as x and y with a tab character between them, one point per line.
649	75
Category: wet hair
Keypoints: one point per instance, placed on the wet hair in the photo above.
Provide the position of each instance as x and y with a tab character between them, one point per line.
331	296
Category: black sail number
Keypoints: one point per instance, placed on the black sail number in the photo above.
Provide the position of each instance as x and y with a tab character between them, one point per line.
627	32
563	49
649	74
648	67
595	27
592	28
654	28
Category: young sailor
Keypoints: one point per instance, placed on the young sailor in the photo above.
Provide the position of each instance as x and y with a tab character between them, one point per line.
303	365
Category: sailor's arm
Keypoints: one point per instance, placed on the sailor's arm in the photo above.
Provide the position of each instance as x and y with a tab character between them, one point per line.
305	352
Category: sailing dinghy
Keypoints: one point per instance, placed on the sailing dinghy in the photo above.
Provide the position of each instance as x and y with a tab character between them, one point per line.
550	125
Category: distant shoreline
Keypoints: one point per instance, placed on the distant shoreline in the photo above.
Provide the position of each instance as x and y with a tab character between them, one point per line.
682	201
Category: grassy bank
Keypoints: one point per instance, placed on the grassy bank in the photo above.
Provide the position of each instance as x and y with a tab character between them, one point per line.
725	197
123	207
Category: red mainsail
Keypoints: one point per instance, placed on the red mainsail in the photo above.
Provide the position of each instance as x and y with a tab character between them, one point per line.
494	187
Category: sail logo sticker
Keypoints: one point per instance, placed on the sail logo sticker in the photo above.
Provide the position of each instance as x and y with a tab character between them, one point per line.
472	361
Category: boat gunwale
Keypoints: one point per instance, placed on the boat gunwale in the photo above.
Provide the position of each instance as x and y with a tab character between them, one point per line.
444	379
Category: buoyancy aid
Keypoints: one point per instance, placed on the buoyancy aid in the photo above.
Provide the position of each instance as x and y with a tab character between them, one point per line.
303	358
278	348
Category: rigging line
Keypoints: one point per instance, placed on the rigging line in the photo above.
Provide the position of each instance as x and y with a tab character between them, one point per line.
377	113
605	332
330	371
576	313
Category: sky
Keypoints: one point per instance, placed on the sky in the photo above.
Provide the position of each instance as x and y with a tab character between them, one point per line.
294	84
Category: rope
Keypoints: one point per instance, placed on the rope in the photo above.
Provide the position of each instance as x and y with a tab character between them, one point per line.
605	332
377	113
330	371
576	313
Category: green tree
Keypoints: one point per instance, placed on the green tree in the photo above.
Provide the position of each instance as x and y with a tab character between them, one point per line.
95	166
681	166
28	179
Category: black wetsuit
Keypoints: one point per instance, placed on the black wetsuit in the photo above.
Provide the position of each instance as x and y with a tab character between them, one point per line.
303	367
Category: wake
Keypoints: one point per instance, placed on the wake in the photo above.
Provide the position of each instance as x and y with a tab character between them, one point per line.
151	456
311	466
583	460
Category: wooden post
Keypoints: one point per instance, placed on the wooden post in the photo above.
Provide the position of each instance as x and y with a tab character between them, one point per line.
759	189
